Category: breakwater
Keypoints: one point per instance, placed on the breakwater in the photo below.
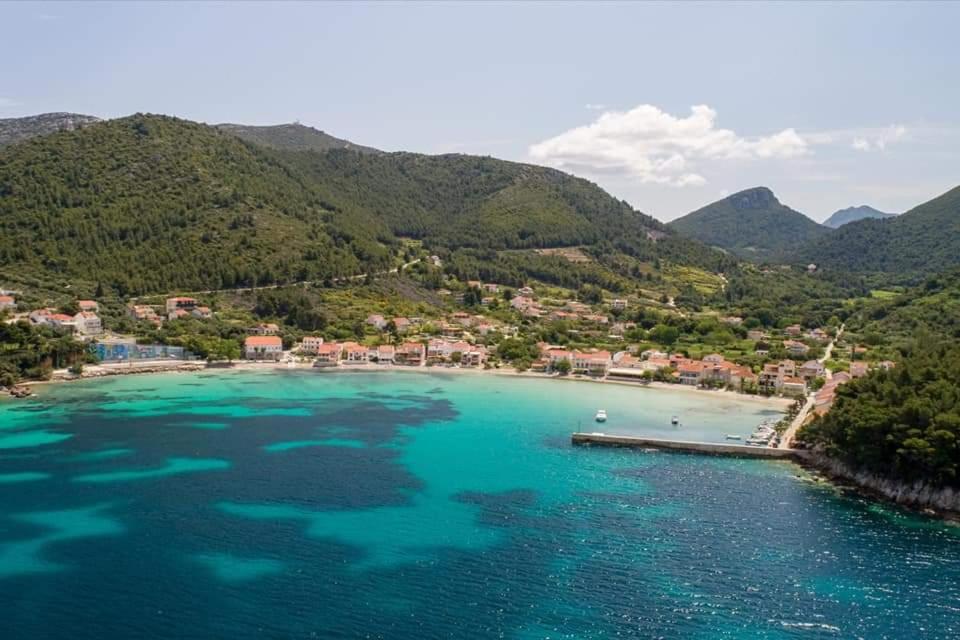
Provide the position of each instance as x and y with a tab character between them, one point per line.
710	448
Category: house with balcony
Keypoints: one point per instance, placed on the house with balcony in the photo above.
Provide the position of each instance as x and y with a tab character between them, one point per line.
354	353
311	344
811	370
690	373
411	354
384	354
328	355
179	303
87	323
263	348
594	363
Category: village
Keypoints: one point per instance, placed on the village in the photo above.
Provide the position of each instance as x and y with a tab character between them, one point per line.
781	363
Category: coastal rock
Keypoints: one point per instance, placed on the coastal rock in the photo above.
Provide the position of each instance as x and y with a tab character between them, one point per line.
18	391
916	495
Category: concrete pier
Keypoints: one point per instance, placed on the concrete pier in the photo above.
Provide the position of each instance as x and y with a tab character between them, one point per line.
710	448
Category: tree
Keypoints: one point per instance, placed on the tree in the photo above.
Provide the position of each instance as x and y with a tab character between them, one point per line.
562	367
665	334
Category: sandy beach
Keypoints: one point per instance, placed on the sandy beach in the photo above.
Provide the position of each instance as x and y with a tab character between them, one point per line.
193	366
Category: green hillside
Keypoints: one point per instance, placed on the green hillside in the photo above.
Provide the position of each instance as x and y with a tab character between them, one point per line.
903	249
150	204
292	137
752	224
459	201
153	203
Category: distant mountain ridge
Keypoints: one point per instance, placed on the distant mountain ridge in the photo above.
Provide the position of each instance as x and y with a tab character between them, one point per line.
752	224
292	137
905	248
14	130
852	214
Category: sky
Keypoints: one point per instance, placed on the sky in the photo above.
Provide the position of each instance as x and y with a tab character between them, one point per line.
667	106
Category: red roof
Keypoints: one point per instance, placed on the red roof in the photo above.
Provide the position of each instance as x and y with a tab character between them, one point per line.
264	341
6	298
331	347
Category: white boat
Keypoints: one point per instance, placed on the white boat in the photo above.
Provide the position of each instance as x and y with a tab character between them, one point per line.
732	436
674	420
601	415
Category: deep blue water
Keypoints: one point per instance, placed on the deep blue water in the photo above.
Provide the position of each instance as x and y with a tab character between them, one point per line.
429	505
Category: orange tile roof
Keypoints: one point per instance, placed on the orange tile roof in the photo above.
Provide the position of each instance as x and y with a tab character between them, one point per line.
264	341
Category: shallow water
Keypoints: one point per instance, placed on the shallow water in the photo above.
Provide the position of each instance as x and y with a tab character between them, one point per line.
431	505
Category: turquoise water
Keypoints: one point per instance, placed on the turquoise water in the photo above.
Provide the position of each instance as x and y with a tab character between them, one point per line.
433	505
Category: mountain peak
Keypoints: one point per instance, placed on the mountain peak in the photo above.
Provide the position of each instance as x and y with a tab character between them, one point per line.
753	198
751	223
852	214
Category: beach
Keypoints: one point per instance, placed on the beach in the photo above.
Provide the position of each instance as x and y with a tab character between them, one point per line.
192	366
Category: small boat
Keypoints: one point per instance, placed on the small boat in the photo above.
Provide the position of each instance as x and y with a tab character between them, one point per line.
732	436
601	415
674	420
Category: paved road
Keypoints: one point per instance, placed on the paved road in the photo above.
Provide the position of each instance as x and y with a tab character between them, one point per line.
786	440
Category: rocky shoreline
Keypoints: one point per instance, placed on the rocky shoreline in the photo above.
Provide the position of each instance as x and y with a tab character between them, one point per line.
25	389
941	502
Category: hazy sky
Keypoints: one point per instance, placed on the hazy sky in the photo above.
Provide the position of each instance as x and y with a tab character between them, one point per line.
669	106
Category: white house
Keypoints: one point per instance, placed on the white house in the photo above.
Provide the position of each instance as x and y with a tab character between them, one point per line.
87	323
377	321
311	344
263	348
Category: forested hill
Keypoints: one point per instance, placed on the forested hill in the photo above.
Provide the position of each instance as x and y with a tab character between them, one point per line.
292	137
752	224
903	423
458	201
153	203
906	248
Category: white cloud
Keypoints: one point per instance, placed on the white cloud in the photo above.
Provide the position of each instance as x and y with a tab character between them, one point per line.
590	106
657	147
878	140
7	102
